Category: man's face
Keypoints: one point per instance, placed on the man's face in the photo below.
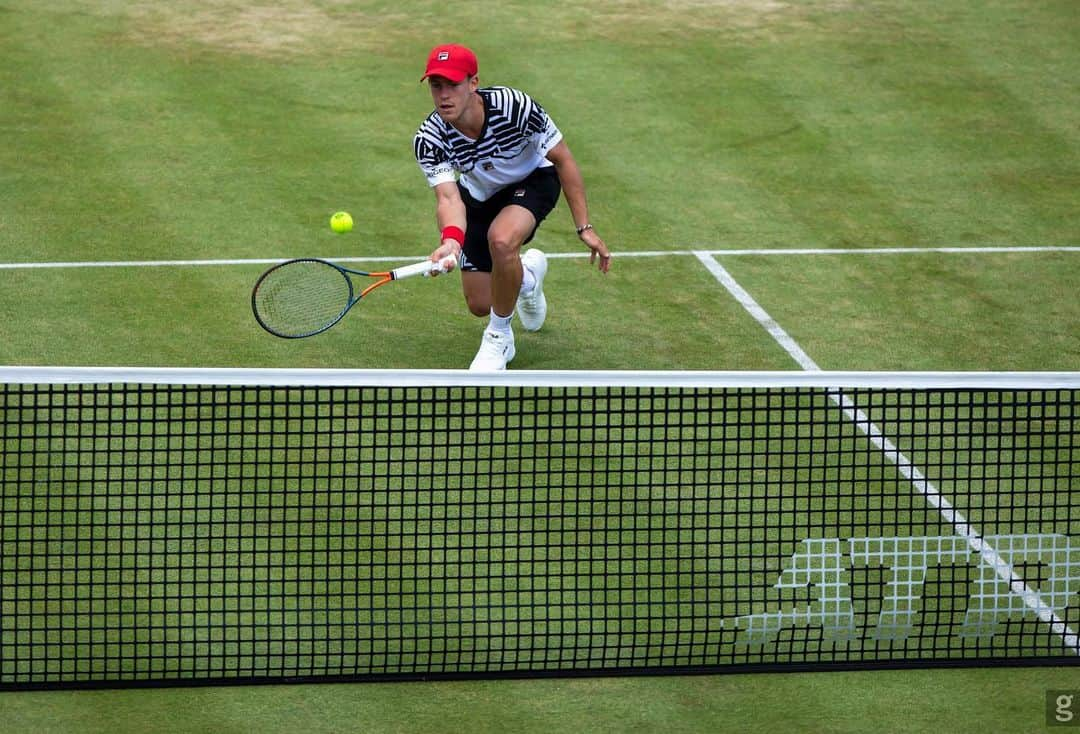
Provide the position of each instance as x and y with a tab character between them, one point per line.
451	100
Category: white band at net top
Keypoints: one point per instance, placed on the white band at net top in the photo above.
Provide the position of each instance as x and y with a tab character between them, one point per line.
540	378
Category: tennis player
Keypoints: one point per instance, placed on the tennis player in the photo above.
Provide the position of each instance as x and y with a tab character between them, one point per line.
497	164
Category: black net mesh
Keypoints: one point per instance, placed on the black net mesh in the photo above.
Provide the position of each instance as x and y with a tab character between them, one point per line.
172	533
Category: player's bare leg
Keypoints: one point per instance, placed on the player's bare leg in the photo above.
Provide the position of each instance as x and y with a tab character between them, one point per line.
505	237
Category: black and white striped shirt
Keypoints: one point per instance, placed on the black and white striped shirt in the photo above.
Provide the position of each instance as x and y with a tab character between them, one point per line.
517	134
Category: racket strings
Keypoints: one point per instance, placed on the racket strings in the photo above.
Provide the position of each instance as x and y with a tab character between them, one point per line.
302	298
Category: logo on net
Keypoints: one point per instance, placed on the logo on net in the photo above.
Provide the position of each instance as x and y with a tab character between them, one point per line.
824	565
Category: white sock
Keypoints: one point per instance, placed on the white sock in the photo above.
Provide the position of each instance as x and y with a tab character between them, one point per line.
528	280
500	323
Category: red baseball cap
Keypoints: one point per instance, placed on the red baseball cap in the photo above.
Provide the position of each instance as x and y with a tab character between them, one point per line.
450	61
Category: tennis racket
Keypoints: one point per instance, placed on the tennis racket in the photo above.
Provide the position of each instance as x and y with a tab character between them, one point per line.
307	296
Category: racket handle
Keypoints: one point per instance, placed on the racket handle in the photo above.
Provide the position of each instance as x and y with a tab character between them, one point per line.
408	271
425	268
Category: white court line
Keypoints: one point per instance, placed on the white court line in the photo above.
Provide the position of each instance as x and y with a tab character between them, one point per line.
888	250
903	464
556	255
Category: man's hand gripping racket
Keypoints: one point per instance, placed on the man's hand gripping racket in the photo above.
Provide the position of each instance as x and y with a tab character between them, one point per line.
305	297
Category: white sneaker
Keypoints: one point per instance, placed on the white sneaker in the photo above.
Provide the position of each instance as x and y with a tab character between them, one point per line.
496	351
532	309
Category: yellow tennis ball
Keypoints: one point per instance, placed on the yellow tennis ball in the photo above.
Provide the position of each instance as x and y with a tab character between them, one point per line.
341	222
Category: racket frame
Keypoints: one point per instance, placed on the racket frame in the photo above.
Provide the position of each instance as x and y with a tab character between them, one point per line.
425	268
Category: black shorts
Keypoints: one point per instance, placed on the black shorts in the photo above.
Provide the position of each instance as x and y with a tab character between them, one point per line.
538	192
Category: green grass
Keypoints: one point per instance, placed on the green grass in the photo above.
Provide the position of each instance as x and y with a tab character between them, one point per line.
897	701
226	129
159	317
991	312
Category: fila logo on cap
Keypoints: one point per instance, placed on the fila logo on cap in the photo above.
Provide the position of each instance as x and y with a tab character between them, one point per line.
455	63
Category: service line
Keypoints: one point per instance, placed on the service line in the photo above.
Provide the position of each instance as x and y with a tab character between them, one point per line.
619	254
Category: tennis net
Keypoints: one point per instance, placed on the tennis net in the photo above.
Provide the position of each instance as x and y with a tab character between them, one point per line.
199	526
